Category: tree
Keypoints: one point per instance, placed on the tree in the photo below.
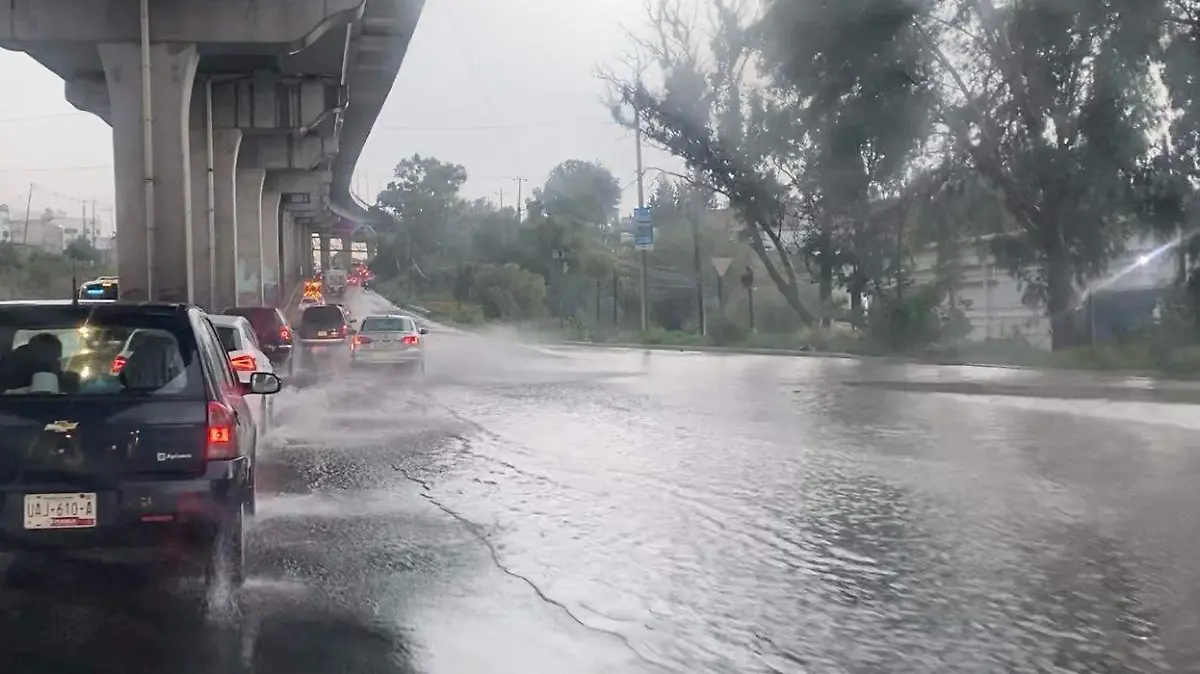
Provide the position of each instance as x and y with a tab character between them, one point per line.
1050	104
1047	103
421	199
581	191
704	116
81	250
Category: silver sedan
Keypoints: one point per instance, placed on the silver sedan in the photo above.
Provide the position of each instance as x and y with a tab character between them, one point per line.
392	340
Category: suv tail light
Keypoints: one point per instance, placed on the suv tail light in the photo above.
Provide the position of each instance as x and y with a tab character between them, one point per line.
221	440
345	329
285	334
244	363
118	364
362	339
411	339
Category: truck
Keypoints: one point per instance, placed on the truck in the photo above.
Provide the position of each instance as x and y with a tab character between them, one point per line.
335	282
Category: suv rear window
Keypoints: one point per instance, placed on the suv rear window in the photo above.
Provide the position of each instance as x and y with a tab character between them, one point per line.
264	320
387	324
117	350
231	338
325	316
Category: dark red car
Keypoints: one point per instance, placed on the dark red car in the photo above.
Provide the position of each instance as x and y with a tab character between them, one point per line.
273	333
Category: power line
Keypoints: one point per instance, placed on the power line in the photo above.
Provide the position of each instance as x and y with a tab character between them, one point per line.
43	169
38	118
503	127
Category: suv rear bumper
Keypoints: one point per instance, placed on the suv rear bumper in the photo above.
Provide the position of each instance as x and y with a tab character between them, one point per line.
147	515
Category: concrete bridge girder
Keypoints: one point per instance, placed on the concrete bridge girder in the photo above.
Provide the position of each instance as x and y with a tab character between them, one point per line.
288	25
286	68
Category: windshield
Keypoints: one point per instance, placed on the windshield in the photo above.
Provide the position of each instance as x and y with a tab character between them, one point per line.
389	324
71	350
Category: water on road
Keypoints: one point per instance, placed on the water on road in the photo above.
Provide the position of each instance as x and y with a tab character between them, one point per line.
534	510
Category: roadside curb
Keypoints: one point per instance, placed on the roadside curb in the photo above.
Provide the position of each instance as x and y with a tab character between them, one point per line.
797	353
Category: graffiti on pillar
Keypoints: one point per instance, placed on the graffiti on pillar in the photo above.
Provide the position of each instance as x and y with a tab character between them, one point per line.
249	284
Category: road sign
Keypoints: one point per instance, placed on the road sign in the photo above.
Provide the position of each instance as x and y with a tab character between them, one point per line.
721	264
641	216
643	236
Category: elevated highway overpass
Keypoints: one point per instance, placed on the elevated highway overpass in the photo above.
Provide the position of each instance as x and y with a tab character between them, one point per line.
236	126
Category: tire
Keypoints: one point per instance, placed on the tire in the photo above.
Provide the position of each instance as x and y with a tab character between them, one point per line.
228	552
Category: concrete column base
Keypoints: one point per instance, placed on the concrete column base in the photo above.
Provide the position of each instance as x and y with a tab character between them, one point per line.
269	247
154	258
249	236
215	250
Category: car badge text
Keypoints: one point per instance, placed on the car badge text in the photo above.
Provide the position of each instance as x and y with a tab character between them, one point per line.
61	426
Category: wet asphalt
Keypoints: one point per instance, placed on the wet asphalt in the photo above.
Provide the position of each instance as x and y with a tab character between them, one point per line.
573	510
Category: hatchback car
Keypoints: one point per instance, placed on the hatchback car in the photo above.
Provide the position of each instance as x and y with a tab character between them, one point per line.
390	340
139	462
247	357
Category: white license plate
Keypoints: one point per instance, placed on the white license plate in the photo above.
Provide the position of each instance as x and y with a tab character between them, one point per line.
322	333
60	511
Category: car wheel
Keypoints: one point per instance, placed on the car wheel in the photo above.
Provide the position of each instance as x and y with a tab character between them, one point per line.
227	556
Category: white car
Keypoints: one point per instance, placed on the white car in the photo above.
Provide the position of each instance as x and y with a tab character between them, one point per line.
390	339
247	357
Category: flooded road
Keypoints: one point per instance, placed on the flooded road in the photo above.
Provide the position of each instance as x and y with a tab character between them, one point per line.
569	510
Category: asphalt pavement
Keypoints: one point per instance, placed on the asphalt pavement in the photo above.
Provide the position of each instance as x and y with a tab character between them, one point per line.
541	510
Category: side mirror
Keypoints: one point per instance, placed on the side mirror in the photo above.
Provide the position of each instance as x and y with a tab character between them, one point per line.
265	383
422	331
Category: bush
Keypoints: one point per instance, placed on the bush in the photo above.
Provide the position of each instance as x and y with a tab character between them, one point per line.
724	332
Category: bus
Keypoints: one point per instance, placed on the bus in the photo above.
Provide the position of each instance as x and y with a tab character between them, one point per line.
103	288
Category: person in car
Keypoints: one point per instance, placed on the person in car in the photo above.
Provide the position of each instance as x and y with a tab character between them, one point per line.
42	353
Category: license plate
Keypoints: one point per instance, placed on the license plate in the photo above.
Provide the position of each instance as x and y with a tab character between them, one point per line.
322	333
60	511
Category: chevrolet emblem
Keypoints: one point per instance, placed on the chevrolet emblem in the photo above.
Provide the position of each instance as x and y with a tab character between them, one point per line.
62	426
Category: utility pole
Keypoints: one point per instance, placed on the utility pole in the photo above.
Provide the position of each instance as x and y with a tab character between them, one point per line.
695	222
501	193
641	197
519	182
28	206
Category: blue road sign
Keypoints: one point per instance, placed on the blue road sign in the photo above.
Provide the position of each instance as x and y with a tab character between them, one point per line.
641	215
643	236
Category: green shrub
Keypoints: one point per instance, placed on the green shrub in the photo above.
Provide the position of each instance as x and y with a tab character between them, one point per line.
724	332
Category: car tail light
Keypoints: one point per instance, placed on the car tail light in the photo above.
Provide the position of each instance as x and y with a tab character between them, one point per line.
360	339
345	330
411	339
118	364
285	334
222	433
244	363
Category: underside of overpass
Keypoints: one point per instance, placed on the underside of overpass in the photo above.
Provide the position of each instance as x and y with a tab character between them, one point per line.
237	125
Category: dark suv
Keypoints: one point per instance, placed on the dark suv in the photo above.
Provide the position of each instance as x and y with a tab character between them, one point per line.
151	457
273	333
326	337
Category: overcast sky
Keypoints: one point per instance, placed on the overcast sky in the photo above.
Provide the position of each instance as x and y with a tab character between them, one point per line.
503	87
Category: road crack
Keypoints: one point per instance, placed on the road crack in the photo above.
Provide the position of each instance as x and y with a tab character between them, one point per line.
477	531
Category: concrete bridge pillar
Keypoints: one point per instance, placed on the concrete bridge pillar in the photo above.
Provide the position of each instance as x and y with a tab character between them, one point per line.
324	252
215	265
153	262
269	245
249	236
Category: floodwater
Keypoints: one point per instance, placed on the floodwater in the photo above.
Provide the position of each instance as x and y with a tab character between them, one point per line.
572	510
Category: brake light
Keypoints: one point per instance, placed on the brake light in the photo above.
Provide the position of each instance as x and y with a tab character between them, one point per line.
411	339
222	433
244	363
345	329
118	364
360	339
285	334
